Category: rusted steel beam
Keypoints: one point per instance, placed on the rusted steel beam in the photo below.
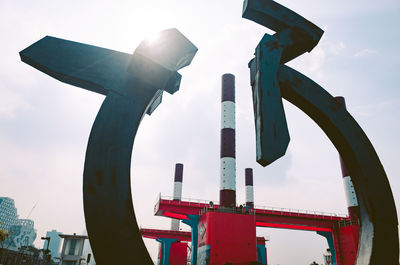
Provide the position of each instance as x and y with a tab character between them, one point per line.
303	34
272	134
294	36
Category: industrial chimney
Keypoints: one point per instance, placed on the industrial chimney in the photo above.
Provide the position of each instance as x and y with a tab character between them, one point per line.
249	187
227	195
352	202
177	192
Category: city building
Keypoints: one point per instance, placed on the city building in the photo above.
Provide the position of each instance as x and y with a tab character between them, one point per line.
87	251
21	231
72	250
55	243
22	234
8	213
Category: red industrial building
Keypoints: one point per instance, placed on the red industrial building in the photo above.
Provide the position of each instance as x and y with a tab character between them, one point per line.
226	234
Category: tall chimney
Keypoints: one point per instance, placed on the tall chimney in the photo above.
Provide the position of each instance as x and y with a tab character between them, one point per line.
177	192
249	187
227	195
351	197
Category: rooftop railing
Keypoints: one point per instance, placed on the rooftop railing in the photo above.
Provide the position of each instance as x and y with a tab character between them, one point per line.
299	211
282	210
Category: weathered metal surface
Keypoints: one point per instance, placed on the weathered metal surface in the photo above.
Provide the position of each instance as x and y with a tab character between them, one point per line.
133	85
295	35
305	35
379	243
272	134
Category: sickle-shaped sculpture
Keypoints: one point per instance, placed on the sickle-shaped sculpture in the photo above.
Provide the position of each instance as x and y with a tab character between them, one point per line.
133	85
271	80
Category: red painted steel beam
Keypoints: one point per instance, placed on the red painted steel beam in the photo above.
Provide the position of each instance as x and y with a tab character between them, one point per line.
266	218
181	207
293	227
183	236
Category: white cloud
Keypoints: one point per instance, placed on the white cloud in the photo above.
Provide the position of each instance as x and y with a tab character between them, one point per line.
337	48
318	57
10	103
364	52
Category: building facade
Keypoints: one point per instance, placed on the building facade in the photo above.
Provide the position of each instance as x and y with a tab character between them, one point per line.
22	234
72	250
55	243
8	213
21	231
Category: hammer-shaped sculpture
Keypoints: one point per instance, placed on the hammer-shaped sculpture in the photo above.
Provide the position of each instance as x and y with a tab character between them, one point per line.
133	85
271	79
295	35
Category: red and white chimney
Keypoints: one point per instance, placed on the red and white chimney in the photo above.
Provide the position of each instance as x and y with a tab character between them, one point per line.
177	192
249	187
227	195
351	197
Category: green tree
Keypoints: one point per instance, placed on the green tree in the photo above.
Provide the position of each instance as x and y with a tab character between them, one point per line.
3	236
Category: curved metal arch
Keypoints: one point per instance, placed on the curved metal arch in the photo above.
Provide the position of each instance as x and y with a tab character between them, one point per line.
109	212
379	242
133	86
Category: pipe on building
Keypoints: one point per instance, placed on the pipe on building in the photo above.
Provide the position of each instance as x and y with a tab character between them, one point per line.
177	192
351	197
227	196
249	187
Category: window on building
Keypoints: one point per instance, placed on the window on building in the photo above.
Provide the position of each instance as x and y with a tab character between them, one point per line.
72	246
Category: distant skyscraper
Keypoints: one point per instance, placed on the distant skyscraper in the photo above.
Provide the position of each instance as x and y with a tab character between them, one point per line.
8	213
22	232
55	243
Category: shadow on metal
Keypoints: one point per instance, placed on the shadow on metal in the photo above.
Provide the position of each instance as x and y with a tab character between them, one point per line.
379	243
271	80
133	86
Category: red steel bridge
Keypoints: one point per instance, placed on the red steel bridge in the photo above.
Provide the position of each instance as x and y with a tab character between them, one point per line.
341	231
182	236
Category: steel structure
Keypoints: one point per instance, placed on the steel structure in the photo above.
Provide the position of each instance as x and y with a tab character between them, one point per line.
341	231
133	85
185	236
270	81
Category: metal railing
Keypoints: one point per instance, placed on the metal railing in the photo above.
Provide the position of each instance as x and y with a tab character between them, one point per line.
185	200
163	230
299	211
343	223
237	210
292	212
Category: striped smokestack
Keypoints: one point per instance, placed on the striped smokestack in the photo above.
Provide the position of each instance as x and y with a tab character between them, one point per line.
249	187
227	195
177	192
351	197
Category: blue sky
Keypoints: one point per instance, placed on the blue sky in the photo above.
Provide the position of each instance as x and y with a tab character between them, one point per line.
45	124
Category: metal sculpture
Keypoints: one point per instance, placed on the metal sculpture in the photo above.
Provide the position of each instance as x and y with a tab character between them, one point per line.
133	85
271	80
